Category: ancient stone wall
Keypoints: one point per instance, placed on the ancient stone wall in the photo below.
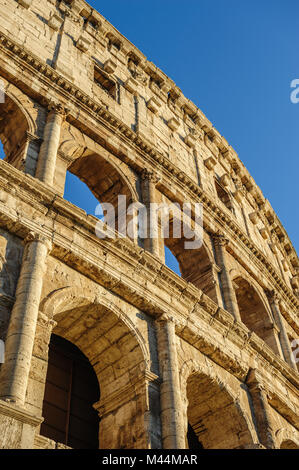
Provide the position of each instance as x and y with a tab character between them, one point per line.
205	357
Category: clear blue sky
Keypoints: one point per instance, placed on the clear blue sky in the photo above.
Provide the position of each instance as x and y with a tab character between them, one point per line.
235	60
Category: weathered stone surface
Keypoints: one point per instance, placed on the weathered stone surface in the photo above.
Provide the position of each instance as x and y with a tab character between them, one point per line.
202	357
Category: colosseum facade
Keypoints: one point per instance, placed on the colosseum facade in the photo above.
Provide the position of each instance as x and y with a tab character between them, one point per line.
105	346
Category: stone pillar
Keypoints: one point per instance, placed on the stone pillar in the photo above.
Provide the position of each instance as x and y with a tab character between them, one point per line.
271	337
39	364
63	161
283	337
148	190
262	410
215	273
228	292
129	415
47	156
172	409
22	325
31	152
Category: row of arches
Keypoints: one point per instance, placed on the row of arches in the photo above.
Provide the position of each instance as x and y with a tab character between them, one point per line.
92	179
213	418
95	350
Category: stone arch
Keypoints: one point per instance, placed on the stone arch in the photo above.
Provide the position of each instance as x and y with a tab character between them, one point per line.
71	389
211	404
197	265
254	310
64	297
20	128
103	173
234	273
119	356
287	439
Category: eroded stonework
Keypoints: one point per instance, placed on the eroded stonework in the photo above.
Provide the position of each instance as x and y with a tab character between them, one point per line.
201	360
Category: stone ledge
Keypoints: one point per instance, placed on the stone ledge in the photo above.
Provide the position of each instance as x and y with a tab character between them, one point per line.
14	411
87	101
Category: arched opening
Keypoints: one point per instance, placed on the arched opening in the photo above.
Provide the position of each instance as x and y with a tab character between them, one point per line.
71	390
13	133
195	265
192	439
171	261
113	348
106	186
253	312
215	420
80	195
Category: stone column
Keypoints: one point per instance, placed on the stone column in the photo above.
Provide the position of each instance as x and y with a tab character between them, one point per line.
283	337
148	190
271	337
262	410
215	273
172	410
228	292
39	364
22	325
31	152
47	156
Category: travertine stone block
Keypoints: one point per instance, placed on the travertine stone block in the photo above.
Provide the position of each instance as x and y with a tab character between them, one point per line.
210	163
110	66
225	180
173	123
254	217
153	104
217	369
190	140
55	21
83	43
131	85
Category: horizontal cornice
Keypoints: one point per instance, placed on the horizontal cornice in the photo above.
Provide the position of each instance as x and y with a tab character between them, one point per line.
98	110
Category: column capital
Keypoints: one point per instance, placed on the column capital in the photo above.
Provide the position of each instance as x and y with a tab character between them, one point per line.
66	158
219	239
149	175
57	108
38	237
272	295
254	380
45	321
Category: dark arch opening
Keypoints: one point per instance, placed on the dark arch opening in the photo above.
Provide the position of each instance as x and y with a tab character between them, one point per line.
213	416
192	439
13	132
71	389
253	312
289	444
194	265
